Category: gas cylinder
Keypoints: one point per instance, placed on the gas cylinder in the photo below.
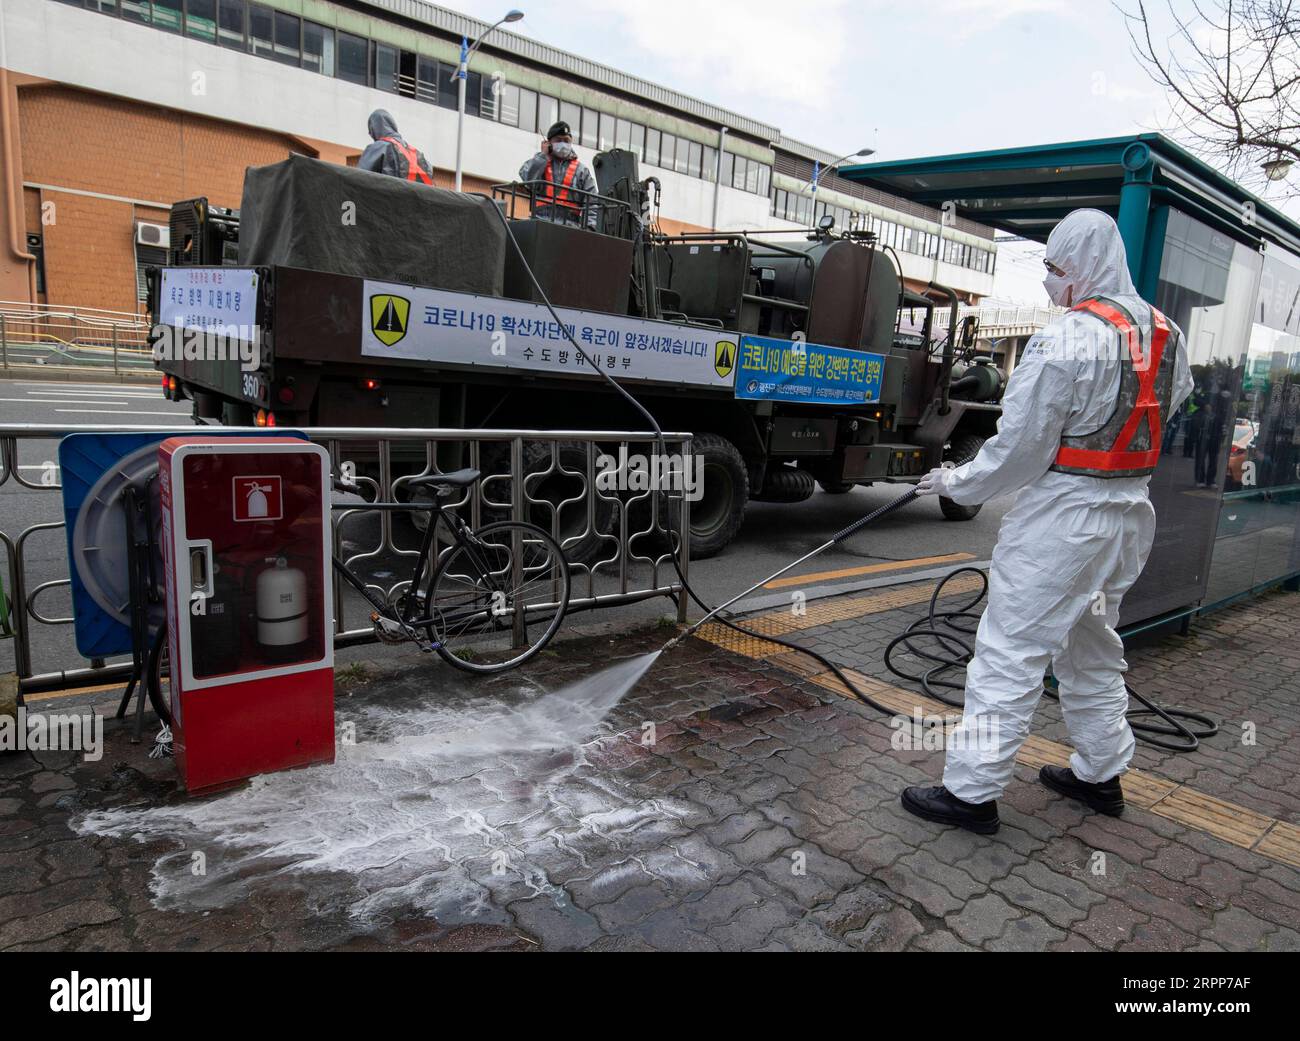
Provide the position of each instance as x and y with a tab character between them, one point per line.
281	605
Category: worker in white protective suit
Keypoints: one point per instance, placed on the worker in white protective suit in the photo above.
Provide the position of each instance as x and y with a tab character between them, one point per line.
1079	437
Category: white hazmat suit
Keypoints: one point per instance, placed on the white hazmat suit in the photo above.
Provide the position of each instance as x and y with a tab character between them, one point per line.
1071	546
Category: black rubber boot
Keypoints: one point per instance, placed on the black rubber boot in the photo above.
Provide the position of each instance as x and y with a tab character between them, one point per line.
941	806
1106	797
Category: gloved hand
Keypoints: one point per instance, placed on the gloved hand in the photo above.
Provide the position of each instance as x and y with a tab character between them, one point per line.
932	483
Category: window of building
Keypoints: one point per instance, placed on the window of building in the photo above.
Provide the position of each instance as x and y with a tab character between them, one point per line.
103	6
590	127
682	160
528	110
354	58
622	133
384	67
508	105
473	92
318	48
201	19
572	114
667	151
653	141
710	163
605	139
167	14
548	112
288	30
638	139
408	68
136	10
231	15
261	30
728	168
695	159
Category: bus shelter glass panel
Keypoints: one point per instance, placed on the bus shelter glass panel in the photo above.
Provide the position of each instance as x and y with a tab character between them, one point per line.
1259	524
1208	287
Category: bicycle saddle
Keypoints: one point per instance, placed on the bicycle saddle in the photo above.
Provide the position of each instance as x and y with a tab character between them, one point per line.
455	479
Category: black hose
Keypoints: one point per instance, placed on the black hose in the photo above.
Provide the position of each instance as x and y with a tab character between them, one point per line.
949	629
152	679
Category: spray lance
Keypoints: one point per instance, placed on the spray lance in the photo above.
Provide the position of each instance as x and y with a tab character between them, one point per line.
839	536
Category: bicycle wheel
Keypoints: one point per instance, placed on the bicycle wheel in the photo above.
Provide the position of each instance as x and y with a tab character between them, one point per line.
496	602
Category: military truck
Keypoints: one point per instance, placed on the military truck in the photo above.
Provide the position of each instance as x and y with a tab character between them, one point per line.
796	359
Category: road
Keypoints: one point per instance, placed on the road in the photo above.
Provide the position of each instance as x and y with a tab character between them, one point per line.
915	539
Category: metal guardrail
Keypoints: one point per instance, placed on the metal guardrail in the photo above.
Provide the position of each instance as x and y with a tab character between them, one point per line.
623	540
1002	320
47	333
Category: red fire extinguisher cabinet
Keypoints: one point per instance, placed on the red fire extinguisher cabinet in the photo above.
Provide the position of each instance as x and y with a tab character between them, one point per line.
246	547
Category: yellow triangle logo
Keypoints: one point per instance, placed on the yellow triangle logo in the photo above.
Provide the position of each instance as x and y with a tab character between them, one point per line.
388	315
724	357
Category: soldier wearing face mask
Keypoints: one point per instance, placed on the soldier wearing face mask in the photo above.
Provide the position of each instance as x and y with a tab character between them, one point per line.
558	179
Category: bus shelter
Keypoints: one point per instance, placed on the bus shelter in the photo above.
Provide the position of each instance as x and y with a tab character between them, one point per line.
1224	265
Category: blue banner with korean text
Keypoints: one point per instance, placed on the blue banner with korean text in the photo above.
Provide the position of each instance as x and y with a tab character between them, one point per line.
770	369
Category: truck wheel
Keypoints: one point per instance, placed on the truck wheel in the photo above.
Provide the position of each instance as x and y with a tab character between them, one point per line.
963	450
785	484
718	514
836	487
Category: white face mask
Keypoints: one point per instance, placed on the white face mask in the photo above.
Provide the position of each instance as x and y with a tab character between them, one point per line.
562	150
1059	289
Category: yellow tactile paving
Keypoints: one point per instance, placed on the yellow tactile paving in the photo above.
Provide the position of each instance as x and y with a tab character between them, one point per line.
1144	789
865	569
838	609
1225	820
1281	843
71	692
1267	836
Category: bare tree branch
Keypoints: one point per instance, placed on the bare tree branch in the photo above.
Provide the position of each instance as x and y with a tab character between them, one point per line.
1232	72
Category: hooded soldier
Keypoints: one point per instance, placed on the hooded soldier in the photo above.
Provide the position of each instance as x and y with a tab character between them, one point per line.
388	152
1079	437
558	177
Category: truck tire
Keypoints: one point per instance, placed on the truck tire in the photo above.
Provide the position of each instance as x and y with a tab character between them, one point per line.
717	516
836	487
963	450
785	484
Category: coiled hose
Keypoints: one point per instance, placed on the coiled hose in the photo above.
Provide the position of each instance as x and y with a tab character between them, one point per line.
950	633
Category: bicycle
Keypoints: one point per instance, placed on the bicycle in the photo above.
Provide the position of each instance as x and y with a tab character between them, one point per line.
493	598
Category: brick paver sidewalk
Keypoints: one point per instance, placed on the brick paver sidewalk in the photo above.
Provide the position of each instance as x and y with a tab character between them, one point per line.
725	803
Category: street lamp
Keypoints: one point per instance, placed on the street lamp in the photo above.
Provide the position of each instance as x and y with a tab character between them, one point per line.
466	53
819	170
1277	169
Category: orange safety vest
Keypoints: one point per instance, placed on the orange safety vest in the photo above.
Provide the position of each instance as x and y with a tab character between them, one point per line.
1147	381
549	194
414	171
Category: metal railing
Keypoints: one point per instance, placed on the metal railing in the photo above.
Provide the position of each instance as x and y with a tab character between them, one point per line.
619	543
35	334
1002	321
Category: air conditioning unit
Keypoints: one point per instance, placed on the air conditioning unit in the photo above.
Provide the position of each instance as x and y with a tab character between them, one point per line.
156	235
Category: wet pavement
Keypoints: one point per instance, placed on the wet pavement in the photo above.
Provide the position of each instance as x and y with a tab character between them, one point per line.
733	799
